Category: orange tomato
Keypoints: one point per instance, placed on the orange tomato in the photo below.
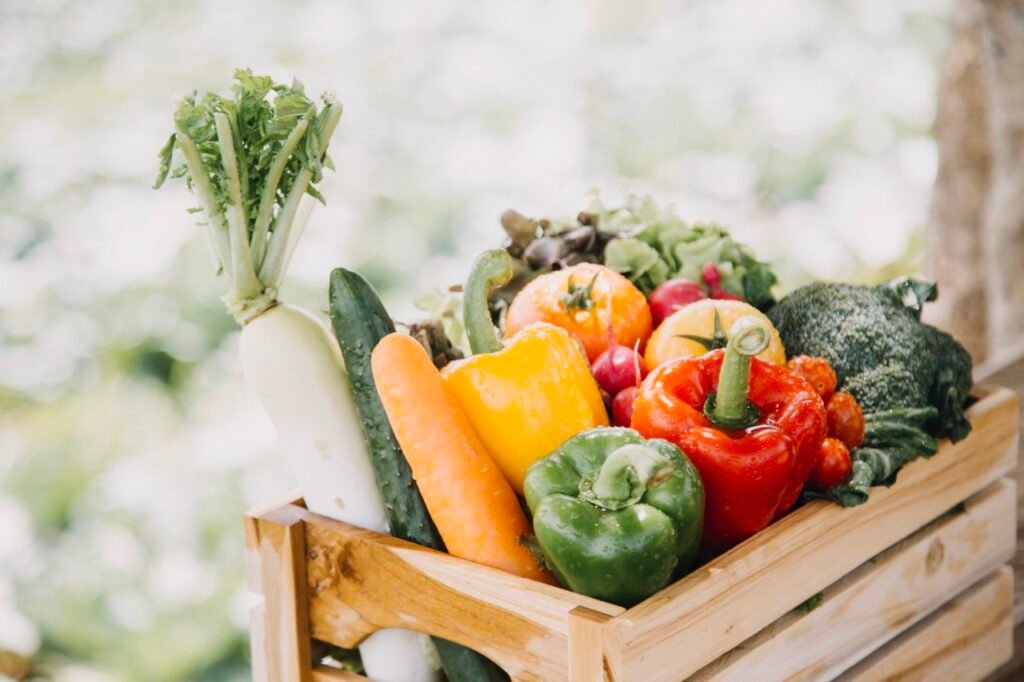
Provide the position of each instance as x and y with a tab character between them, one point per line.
586	300
708	319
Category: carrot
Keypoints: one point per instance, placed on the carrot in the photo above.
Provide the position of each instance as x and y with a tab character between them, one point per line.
473	506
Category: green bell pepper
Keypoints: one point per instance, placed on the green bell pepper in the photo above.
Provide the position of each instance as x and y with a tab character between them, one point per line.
616	515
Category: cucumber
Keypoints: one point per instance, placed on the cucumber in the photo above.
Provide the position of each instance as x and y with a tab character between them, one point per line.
360	320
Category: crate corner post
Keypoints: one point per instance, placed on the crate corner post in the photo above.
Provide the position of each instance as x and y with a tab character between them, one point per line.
281	647
587	645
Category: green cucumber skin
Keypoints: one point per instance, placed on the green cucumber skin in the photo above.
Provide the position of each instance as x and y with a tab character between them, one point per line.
360	320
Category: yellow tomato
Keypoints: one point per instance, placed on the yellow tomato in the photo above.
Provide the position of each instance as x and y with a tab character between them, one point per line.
699	319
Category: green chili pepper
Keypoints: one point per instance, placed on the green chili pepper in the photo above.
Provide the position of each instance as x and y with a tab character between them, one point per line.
615	515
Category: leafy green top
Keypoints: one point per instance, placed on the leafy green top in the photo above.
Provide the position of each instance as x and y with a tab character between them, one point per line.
654	244
250	158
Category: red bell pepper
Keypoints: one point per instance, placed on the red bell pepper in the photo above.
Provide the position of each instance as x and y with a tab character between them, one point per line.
752	428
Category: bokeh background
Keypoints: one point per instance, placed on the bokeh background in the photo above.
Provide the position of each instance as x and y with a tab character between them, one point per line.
129	447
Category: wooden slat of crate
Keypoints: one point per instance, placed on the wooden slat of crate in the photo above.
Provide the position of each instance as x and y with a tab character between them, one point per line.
322	673
1008	371
965	640
688	625
882	598
359	581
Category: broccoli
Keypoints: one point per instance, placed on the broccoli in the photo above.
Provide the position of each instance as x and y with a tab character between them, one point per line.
882	353
911	380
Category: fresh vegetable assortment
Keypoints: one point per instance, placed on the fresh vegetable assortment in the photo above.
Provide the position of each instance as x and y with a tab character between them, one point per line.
484	430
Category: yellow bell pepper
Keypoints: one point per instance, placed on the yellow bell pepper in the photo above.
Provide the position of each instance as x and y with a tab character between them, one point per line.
527	396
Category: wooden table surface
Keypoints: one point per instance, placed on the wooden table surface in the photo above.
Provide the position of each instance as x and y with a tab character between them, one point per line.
1010	372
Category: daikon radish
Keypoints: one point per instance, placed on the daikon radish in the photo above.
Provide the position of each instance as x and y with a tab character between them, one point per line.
251	159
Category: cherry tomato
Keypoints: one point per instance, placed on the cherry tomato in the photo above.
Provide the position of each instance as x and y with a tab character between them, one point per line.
833	466
622	406
817	372
845	419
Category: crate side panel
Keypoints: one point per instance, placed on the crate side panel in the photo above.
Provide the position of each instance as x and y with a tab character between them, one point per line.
965	640
882	598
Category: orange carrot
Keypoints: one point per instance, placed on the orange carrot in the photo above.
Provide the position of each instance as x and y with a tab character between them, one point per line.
472	505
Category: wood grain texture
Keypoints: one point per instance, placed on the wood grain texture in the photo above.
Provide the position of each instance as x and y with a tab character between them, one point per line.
586	645
258	644
322	673
882	598
964	640
691	623
280	638
1008	371
361	581
253	574
250	525
1011	670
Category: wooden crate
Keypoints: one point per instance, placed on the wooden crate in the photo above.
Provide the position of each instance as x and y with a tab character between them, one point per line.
913	581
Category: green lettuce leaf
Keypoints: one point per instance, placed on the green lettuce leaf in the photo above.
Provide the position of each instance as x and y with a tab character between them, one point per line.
638	261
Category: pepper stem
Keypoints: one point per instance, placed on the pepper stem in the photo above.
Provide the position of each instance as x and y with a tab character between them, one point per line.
624	477
492	268
729	408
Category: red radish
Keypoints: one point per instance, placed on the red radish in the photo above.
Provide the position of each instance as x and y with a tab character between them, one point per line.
713	278
617	368
622	406
672	295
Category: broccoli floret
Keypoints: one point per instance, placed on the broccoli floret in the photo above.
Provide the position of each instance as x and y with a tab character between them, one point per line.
881	351
886	387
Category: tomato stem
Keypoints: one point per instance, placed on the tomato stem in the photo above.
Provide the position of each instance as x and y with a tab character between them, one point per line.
718	339
580	298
